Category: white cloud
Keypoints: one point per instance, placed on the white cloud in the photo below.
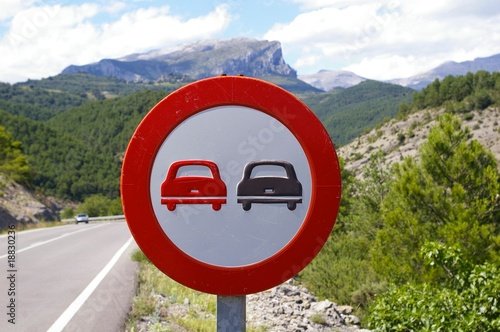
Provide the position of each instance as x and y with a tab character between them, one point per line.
115	6
43	40
389	38
315	4
9	8
388	66
329	23
381	39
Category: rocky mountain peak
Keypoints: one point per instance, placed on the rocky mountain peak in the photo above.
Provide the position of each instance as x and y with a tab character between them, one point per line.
250	57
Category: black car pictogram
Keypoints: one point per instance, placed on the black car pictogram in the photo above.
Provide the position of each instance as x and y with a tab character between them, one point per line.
269	189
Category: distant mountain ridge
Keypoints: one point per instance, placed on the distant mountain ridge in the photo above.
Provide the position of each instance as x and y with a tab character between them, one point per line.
420	81
327	80
249	57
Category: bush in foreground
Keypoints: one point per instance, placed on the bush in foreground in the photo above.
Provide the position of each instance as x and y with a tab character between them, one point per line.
467	301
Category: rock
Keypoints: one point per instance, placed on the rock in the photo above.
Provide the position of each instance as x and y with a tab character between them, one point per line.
290	307
284	308
322	306
20	205
344	309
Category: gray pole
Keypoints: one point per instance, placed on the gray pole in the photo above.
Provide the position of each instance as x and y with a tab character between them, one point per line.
231	313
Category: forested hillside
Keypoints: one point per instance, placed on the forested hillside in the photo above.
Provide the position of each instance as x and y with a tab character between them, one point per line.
75	128
36	103
43	99
61	165
348	113
106	126
416	246
93	87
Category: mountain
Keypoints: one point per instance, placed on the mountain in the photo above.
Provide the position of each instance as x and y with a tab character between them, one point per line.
348	113
327	80
420	81
250	57
74	128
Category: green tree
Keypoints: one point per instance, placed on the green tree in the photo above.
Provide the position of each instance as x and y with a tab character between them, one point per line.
460	93
13	162
482	99
342	271
99	205
432	97
450	195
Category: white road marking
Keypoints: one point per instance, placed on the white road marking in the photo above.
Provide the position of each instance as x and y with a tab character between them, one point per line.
37	244
66	316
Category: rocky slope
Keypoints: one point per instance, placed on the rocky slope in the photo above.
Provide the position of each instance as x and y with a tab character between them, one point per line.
20	205
484	127
250	57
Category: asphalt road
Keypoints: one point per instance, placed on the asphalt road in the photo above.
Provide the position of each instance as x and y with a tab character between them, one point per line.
67	278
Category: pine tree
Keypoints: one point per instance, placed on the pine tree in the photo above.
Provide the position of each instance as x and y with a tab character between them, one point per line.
449	196
13	162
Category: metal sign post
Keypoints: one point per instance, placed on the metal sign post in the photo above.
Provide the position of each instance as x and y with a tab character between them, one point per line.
231	313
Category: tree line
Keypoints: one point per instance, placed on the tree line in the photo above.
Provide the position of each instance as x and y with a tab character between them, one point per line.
348	113
458	93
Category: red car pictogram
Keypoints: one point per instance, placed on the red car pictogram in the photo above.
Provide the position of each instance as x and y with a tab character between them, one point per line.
193	189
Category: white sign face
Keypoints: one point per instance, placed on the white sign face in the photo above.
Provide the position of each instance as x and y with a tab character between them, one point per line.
239	220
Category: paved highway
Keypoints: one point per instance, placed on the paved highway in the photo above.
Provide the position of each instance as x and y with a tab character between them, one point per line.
67	278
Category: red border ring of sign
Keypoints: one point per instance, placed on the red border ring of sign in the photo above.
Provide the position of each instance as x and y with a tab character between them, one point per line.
172	111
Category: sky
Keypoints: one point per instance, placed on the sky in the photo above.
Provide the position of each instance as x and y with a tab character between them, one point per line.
380	40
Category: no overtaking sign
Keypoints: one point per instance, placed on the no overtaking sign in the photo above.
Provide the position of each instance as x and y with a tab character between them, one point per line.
230	185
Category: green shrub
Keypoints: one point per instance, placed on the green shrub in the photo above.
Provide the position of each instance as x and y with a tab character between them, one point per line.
401	138
467	301
67	212
99	205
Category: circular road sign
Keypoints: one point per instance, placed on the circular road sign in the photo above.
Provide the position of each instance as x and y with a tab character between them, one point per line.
230	185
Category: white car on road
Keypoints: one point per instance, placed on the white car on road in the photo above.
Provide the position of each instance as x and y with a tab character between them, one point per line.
82	217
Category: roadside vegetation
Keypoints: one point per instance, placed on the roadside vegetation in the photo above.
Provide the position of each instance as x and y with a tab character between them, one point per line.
417	245
157	292
95	206
163	305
